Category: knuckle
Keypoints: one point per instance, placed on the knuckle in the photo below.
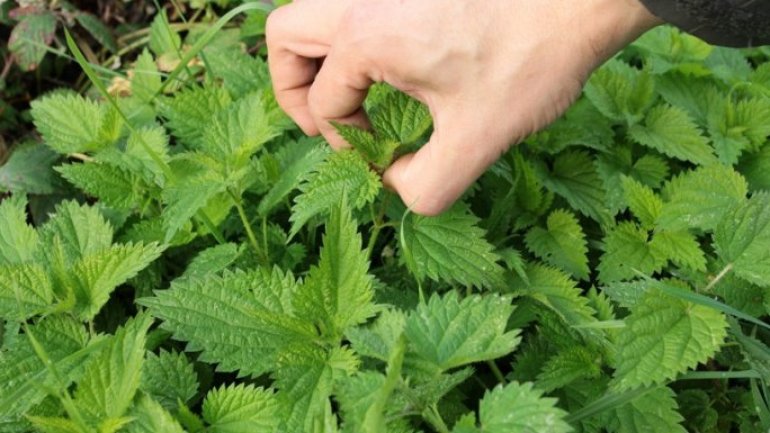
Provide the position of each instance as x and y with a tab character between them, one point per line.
274	25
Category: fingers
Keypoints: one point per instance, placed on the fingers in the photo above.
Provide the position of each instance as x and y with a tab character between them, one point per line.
461	148
297	36
338	93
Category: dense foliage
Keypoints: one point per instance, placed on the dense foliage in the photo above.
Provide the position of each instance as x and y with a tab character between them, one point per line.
208	268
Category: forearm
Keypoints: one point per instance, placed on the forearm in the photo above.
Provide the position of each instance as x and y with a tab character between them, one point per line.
737	23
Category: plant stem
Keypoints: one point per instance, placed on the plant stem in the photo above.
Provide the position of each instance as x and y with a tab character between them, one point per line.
247	227
496	371
718	278
434	418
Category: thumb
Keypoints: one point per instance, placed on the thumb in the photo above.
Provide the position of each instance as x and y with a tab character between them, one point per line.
461	148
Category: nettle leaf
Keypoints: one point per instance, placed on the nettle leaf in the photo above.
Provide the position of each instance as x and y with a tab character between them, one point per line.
112	378
450	247
163	39
642	200
655	410
25	291
169	378
621	92
190	111
24	377
400	118
338	293
241	73
555	290
28	170
700	198
304	379
373	148
671	131
111	184
75	231
70	123
342	174
18	240
213	260
297	159
448	332
185	197
146	83
378	340
568	366
561	244
628	251
574	177
680	247
240	409
742	238
97	275
30	38
147	154
241	321
148	416
515	408
238	131
665	336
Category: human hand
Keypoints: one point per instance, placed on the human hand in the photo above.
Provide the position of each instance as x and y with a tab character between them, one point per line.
491	72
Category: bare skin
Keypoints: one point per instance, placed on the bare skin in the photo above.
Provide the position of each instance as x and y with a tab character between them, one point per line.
491	72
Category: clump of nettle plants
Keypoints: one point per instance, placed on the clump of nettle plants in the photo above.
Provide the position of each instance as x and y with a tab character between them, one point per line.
180	258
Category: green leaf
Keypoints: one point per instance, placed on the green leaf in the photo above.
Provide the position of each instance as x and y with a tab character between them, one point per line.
449	333
150	417
74	231
642	201
375	150
338	293
451	247
23	375
671	131
400	118
185	197
142	148
342	174
213	260
681	247
190	111
169	378
30	38
242	321
562	244
628	251
378	340
69	123
18	241
574	177
653	411
296	161
28	170
25	291
163	39
620	91
98	29
111	184
515	408
665	336
743	236
240	409
240	72
567	366
238	131
700	198
145	83
304	380
98	274
112	378
555	290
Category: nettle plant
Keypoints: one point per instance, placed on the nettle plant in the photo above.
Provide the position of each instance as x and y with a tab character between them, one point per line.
217	271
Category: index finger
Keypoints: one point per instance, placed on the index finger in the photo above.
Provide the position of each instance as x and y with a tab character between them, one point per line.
297	36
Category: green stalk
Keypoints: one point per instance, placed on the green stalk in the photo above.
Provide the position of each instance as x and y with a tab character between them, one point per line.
706	375
247	226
